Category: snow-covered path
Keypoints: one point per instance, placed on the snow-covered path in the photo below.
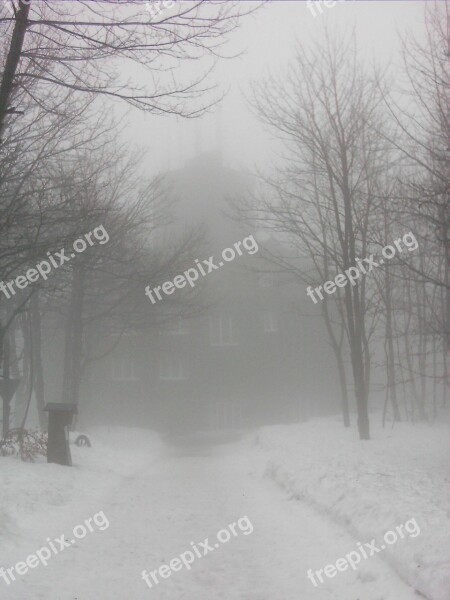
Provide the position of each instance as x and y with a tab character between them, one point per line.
186	496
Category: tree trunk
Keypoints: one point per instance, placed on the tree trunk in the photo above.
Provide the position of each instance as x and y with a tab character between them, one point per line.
74	339
25	388
389	349
38	369
355	326
344	391
337	349
361	402
12	62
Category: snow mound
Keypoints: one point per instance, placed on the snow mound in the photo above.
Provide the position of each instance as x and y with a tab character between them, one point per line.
373	487
34	497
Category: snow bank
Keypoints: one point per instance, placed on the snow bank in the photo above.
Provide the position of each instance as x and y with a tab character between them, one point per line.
372	487
35	498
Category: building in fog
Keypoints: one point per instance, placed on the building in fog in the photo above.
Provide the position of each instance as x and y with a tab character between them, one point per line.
247	359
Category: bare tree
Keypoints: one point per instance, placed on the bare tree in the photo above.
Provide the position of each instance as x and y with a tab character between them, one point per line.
103	289
326	111
28	227
75	46
420	135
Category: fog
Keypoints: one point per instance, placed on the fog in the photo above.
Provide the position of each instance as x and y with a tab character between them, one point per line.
224	300
267	43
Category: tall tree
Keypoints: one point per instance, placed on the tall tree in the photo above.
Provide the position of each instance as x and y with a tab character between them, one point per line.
326	112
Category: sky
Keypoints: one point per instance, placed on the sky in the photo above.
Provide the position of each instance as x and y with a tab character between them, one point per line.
267	40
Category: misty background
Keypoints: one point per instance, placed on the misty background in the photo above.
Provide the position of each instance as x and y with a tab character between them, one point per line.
181	187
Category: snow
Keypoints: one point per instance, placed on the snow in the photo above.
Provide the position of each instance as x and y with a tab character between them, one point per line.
161	495
38	500
370	488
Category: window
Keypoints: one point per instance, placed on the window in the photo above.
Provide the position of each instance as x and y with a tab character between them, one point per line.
270	321
172	368
221	331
